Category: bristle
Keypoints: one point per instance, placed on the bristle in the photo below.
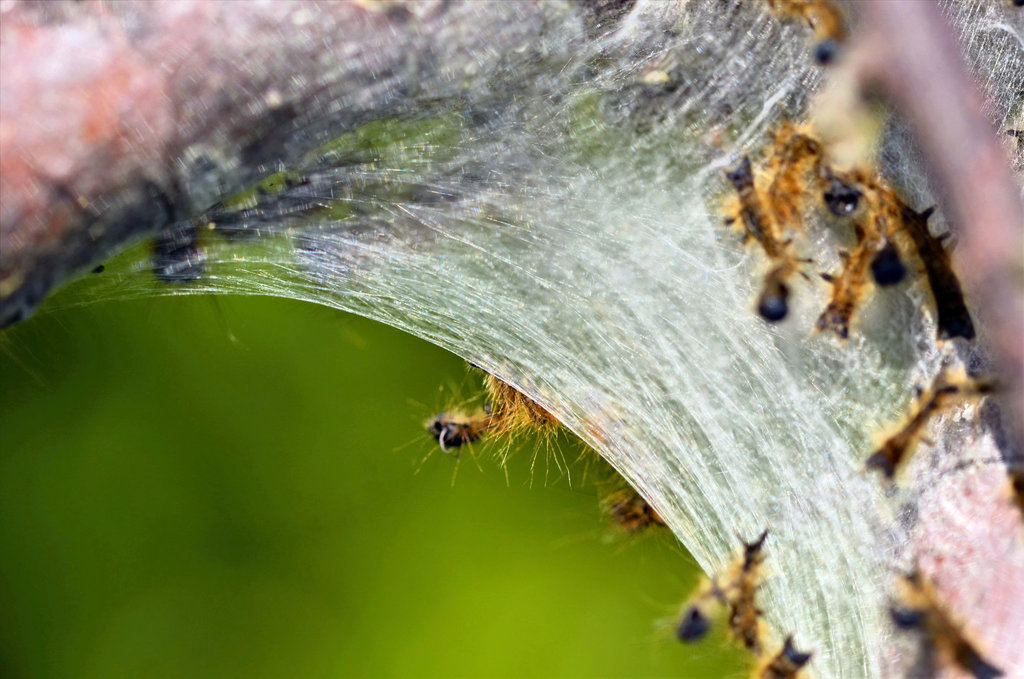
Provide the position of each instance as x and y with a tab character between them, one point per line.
512	412
752	551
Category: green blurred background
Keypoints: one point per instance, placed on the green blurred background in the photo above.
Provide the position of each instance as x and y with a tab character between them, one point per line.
199	487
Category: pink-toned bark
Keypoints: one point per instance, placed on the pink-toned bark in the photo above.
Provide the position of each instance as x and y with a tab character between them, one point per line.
969	542
968	538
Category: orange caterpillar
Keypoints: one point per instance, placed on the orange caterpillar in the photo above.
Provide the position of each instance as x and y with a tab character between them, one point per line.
762	225
773	214
737	592
757	222
920	609
506	411
848	288
799	176
886	217
769	207
631	512
797	155
824	19
944	390
874	253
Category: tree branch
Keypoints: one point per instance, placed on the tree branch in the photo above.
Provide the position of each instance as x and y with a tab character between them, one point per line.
573	219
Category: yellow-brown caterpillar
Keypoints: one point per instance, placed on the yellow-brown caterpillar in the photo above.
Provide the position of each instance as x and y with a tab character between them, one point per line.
736	591
945	390
920	609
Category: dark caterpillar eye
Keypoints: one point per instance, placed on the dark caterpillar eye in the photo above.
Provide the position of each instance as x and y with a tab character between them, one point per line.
774	308
841	198
906	618
773	304
694	625
826	51
886	267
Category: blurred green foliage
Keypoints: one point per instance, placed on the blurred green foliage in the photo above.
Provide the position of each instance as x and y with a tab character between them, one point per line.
193	487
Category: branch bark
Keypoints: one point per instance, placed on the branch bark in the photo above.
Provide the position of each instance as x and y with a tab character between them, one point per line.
119	121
